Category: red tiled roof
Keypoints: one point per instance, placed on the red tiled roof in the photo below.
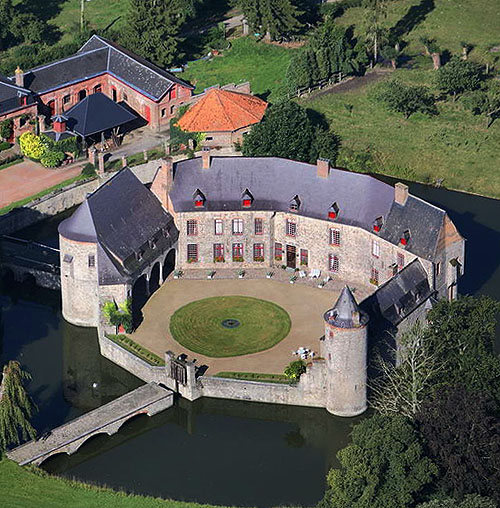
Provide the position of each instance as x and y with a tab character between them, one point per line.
222	110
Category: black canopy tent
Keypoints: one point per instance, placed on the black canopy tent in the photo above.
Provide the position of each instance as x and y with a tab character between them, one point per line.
97	114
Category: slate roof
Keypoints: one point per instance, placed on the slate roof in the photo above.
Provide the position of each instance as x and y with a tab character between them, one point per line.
97	113
123	217
402	294
98	56
342	313
273	183
10	94
223	111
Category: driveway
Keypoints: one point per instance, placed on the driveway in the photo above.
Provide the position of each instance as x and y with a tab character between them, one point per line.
28	178
305	305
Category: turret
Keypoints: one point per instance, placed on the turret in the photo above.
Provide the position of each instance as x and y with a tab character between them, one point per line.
345	351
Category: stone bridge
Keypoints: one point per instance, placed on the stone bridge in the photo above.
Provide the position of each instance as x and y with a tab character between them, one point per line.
148	399
25	258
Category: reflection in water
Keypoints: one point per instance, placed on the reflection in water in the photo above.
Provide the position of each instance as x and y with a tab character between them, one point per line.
214	451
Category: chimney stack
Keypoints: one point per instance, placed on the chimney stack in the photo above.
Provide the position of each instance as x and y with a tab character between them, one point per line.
323	168
400	193
59	123
19	77
205	157
162	183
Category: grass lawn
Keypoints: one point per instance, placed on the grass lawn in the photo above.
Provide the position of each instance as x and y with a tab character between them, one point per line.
136	349
454	146
264	65
12	163
22	488
255	376
198	326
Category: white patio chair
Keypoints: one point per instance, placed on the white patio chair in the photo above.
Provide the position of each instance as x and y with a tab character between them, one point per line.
302	274
315	273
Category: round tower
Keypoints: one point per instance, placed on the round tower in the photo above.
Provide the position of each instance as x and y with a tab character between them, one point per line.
345	352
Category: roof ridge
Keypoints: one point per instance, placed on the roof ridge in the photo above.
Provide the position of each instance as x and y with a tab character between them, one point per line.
248	97
217	96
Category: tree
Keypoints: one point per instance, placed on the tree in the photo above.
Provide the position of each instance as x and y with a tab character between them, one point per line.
464	332
295	369
16	406
28	28
391	54
462	431
6	15
153	28
432	49
6	128
383	467
406	99
287	131
458	76
470	501
375	13
402	389
484	102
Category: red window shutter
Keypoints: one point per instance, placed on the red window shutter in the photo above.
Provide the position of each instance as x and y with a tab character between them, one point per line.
332	215
247	202
198	202
403	241
376	228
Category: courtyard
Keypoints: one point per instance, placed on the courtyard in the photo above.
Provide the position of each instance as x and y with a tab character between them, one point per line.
304	304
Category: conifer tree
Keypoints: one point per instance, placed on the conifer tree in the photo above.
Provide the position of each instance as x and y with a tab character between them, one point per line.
16	406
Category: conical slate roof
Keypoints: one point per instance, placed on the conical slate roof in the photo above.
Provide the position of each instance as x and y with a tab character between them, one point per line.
223	111
346	313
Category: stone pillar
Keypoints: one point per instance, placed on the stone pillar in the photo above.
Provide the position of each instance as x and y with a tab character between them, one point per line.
246	30
91	154
145	152
124	161
41	123
191	144
166	146
100	168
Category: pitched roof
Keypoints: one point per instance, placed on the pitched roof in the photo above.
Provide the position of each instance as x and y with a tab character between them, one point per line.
122	216
223	110
342	315
10	94
98	56
402	294
97	113
273	182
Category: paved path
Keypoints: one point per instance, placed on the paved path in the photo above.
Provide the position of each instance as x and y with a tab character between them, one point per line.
305	305
150	399
28	178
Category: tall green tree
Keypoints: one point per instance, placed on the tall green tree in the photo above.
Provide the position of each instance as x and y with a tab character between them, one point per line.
462	431
153	28
287	131
458	76
16	407
470	501
383	467
376	33
484	102
6	15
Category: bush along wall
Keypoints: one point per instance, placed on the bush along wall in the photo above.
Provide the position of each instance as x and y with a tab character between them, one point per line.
119	315
50	153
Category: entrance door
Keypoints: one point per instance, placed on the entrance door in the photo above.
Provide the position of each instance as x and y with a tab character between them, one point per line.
291	257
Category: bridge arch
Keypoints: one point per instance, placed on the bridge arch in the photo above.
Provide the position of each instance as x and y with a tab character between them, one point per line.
168	263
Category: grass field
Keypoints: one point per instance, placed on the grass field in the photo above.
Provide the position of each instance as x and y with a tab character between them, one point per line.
198	326
454	146
264	65
22	488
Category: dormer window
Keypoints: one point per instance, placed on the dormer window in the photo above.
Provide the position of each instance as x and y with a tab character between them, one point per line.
405	238
294	204
199	199
152	243
333	212
377	225
246	199
139	255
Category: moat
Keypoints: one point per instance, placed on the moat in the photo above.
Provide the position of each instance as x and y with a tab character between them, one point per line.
212	451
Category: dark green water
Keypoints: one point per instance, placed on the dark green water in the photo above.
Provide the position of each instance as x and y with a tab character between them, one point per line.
212	451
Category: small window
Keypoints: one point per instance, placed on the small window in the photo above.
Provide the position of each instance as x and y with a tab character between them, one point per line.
246	199
333	212
375	248
199	199
91	260
294	204
333	263
173	93
258	252
334	234
152	244
259	226
192	227
438	268
237	226
98	88
278	251
374	276
192	252
291	228
401	260
68	258
124	97
172	110
139	255
66	99
113	94
209	138
218	226
163	112
304	257
405	238
82	94
218	252
377	225
237	252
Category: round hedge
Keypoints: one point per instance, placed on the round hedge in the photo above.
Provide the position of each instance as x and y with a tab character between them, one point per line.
198	326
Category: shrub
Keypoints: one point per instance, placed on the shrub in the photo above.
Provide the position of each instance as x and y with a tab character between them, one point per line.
88	170
4	146
119	315
6	128
458	76
52	158
295	369
32	146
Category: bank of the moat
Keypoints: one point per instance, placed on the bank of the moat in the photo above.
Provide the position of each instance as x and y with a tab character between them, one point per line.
213	447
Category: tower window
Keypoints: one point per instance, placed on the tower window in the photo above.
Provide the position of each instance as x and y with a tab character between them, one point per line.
333	263
192	227
91	260
258	226
334	235
218	226
291	228
192	252
237	226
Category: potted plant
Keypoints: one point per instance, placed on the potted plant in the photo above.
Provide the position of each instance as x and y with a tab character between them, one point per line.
241	274
177	274
211	274
269	274
259	259
238	259
293	278
219	259
321	284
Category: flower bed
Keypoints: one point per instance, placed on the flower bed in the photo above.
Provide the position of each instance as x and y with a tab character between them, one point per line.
132	347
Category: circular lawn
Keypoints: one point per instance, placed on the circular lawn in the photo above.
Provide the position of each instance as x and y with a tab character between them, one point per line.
254	325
